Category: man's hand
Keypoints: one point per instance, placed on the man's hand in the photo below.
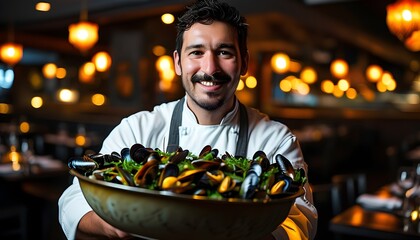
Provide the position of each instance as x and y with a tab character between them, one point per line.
91	226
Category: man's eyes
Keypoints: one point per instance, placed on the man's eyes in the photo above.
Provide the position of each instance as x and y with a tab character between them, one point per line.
225	53
220	53
196	53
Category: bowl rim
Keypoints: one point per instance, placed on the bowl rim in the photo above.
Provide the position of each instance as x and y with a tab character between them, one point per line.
284	198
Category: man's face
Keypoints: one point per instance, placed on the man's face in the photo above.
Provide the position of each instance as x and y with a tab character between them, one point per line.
209	64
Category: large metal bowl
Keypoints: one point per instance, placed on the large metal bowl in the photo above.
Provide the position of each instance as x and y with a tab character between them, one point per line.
165	215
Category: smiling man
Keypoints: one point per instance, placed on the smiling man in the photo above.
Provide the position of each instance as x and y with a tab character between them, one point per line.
211	54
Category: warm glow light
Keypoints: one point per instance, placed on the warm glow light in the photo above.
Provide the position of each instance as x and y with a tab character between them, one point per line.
392	85
83	35
5	108
102	61
403	17
374	73
164	62
339	68
343	85
49	70
327	86
280	62
11	53
37	102
80	140
303	88
380	86
24	127
98	99
308	75
337	92
67	95
167	75
43	6
285	85
167	18
61	73
87	72
251	82
351	93
159	50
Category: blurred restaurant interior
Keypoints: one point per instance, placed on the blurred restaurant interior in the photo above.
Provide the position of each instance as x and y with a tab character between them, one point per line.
346	82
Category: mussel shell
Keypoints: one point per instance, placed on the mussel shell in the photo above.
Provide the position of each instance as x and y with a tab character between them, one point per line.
138	177
227	186
125	154
179	156
83	165
261	158
212	178
255	168
149	177
169	170
206	149
139	153
189	175
283	186
285	166
206	164
249	186
124	177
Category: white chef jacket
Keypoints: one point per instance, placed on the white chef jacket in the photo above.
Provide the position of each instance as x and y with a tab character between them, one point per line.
151	129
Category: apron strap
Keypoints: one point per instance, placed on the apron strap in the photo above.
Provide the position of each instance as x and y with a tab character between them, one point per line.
176	121
242	144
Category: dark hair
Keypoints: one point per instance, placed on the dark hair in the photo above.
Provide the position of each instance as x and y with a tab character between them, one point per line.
208	11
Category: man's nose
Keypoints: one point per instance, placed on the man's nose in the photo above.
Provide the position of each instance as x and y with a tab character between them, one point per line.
210	64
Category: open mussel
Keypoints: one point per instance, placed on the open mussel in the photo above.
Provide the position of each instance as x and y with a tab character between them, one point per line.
147	172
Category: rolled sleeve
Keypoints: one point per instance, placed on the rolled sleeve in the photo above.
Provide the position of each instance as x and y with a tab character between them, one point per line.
72	207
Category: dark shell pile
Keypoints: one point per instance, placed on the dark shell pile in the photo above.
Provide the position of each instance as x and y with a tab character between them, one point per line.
202	175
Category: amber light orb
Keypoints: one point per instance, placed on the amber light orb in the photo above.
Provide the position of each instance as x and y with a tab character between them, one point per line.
280	62
339	68
49	70
11	53
102	61
83	35
403	18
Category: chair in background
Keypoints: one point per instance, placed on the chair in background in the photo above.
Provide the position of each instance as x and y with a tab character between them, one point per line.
346	188
322	195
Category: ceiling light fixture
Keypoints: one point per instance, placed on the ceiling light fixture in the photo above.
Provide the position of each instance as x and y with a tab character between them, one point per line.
11	53
83	35
403	20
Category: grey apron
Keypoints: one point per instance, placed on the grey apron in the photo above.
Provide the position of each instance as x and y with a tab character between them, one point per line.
176	120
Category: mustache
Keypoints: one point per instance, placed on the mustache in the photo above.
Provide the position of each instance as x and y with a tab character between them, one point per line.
216	77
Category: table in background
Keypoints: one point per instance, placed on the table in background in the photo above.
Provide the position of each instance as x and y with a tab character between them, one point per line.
37	187
374	224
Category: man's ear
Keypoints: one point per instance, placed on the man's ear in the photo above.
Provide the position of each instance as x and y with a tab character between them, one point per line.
177	63
245	60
